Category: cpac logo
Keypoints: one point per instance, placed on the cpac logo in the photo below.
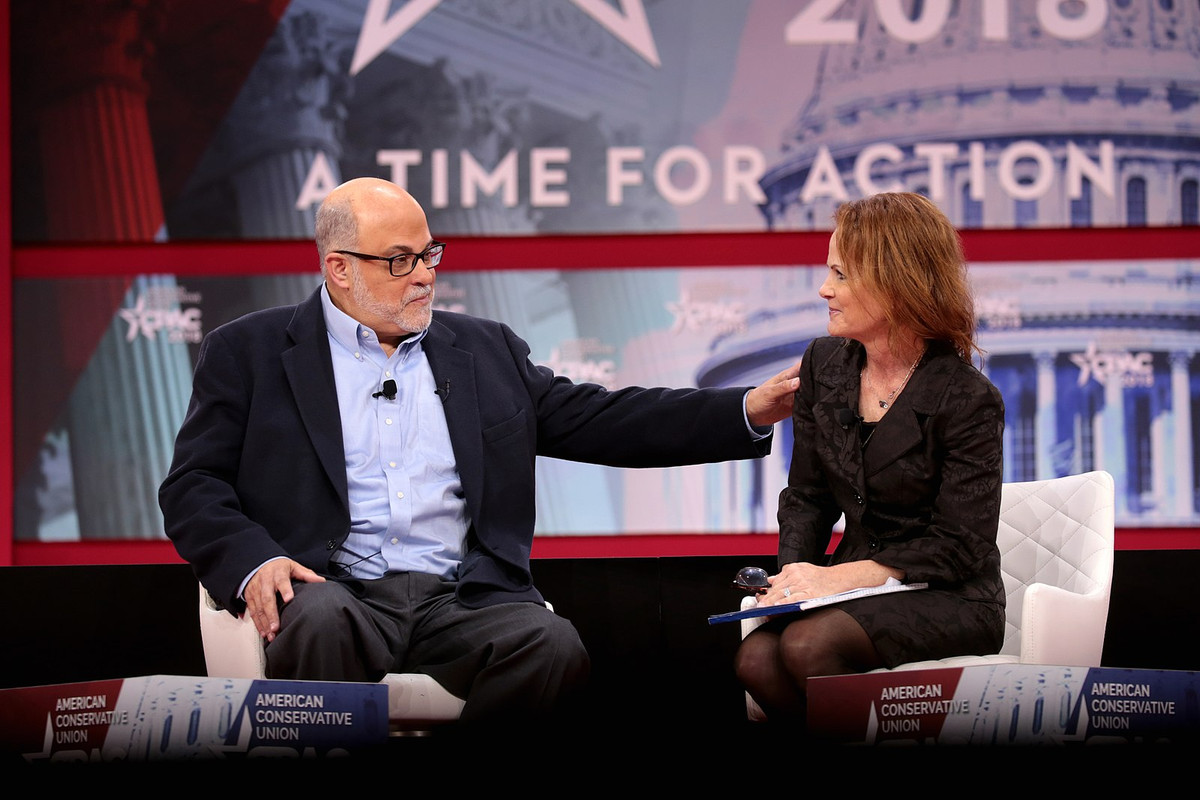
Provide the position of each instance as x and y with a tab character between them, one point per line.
703	315
1132	369
450	298
379	30
583	370
181	325
998	313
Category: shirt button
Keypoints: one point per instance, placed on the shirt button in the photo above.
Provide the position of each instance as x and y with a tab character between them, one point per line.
400	495
388	374
395	540
387	422
392	464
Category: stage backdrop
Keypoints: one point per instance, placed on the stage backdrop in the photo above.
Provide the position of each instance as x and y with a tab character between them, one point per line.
138	121
1093	360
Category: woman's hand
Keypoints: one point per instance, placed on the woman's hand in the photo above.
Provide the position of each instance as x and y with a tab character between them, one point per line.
802	581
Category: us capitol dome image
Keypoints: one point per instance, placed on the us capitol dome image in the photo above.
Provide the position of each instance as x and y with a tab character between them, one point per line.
1008	122
1096	360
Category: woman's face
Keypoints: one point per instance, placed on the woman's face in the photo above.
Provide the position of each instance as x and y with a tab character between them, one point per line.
854	312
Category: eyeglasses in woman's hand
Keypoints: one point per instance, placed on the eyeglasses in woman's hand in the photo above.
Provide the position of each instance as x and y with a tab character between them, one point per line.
752	580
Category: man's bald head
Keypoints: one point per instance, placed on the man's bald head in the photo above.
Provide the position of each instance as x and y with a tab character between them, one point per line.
350	204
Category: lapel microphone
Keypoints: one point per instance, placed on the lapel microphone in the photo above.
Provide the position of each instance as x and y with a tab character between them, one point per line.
444	391
846	417
389	390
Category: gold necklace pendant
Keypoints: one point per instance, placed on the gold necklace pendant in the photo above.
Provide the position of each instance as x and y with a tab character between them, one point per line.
886	403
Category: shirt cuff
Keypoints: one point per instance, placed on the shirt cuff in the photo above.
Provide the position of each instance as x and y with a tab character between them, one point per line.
757	433
245	580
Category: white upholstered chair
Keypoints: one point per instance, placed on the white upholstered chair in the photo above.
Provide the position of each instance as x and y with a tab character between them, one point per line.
233	649
1056	557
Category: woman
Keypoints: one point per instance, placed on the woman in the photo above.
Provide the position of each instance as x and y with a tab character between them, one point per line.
897	430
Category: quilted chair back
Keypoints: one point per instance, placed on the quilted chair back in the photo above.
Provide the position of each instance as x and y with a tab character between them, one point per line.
1057	534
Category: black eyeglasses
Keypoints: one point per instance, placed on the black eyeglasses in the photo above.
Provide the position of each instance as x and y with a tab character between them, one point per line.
405	263
752	580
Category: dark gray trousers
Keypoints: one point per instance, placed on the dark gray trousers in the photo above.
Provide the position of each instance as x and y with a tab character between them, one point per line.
509	661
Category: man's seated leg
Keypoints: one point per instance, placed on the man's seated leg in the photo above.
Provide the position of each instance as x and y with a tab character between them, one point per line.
509	661
327	633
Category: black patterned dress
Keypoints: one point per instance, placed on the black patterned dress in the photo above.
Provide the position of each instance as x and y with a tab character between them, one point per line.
921	494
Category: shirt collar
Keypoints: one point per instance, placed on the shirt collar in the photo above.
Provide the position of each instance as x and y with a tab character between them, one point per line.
348	332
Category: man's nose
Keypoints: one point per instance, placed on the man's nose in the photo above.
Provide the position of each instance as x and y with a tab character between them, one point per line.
423	274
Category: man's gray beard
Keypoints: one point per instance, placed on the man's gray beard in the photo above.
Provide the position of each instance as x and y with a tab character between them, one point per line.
413	319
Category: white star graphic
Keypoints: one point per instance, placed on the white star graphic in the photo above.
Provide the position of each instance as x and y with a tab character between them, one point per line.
134	317
380	30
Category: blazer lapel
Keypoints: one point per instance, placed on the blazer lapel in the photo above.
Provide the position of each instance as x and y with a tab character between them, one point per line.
896	434
309	369
902	427
454	371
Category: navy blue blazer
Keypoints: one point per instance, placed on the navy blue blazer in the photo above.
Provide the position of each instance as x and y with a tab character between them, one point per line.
259	467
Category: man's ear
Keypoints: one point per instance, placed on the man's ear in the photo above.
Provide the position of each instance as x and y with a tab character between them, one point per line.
337	269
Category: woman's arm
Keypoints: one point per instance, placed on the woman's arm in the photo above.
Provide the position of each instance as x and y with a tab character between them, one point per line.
807	509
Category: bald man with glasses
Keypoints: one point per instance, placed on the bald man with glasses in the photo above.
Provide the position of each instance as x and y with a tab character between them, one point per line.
356	472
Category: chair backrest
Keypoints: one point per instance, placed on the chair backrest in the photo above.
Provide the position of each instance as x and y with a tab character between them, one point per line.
1057	532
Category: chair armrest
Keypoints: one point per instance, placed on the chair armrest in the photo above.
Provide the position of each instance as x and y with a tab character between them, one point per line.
415	699
753	712
750	624
232	646
1062	627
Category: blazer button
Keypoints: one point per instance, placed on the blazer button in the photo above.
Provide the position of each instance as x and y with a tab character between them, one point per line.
858	498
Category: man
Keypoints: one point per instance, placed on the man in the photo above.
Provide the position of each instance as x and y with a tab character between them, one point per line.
357	471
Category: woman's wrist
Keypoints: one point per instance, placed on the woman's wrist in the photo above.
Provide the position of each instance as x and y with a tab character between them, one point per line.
858	574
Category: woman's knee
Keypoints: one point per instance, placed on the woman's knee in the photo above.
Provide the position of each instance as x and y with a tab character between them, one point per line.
755	659
829	644
803	657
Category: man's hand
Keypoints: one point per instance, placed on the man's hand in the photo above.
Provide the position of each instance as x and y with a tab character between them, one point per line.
274	578
772	401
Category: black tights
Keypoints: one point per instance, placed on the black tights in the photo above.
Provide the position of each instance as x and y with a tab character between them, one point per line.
775	662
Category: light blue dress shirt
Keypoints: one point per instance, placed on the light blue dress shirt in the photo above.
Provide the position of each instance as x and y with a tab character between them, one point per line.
407	511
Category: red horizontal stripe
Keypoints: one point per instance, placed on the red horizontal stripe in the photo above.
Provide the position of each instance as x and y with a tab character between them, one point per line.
650	250
116	551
